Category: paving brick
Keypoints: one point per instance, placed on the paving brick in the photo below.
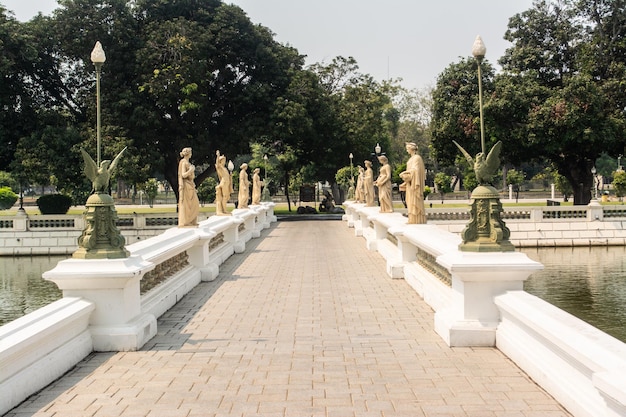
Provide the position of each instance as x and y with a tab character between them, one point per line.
306	322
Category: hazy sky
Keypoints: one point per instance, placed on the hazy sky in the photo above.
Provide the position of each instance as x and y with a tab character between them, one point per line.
410	39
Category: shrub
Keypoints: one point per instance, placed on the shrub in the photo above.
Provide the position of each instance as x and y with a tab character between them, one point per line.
54	203
206	190
7	198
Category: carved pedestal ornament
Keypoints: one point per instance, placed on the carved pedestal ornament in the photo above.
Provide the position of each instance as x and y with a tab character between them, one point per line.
101	239
486	231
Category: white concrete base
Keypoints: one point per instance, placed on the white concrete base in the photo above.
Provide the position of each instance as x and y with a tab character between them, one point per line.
459	333
472	317
210	272
126	337
31	358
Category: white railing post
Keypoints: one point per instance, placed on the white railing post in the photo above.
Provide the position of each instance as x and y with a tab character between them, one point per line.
117	323
472	317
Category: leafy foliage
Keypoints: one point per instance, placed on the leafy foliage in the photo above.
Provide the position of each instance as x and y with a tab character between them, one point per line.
7	198
442	182
619	183
516	179
206	190
54	203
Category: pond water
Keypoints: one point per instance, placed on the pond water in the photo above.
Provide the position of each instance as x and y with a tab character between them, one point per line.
589	283
22	289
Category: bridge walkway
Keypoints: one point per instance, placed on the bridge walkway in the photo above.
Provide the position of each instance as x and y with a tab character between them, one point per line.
304	323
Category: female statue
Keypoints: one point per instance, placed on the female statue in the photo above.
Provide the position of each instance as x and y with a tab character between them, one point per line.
383	182
368	185
188	203
224	187
359	193
244	187
414	180
257	185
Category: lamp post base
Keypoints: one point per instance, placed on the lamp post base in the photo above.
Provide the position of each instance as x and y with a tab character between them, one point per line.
101	239
486	231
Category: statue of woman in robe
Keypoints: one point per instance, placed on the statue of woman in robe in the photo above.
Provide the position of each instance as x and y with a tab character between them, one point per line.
414	180
368	185
244	187
383	182
188	203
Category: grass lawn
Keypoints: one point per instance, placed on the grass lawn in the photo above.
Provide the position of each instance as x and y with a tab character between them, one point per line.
280	208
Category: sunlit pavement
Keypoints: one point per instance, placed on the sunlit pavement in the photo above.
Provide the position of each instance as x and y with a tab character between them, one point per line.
305	323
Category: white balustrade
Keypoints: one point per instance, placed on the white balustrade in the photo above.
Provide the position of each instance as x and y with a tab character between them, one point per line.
102	308
478	300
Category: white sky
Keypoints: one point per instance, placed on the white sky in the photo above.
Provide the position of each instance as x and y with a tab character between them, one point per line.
410	39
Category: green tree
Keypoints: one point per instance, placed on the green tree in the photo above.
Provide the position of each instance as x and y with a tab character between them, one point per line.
562	185
206	190
151	190
17	55
619	183
516	179
442	182
177	74
456	115
7	180
554	96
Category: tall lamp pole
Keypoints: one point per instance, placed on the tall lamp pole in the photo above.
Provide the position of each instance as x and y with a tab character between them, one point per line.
479	50
351	171
594	172
351	188
98	57
100	239
486	231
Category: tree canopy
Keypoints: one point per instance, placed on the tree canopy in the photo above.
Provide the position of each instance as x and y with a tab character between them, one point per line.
178	73
557	97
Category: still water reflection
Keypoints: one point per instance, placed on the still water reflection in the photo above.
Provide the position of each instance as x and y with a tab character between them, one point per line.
589	283
22	289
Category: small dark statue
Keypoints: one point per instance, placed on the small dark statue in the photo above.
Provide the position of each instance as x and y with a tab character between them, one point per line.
328	204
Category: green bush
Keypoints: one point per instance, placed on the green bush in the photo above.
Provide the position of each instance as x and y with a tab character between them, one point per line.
206	190
7	198
54	203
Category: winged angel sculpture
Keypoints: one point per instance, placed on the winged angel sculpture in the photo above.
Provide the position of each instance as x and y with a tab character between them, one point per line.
100	176
484	168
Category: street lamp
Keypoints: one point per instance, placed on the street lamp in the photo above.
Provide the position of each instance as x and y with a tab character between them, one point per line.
619	162
486	231
98	57
479	50
351	172
351	188
265	194
100	239
594	172
377	152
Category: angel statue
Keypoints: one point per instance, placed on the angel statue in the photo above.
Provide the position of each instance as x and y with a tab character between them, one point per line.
100	177
484	168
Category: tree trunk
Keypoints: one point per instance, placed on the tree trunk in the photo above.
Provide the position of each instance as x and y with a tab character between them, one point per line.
287	190
579	176
171	174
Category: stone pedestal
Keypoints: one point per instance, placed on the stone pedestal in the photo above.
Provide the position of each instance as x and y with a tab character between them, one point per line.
101	239
117	323
486	232
471	318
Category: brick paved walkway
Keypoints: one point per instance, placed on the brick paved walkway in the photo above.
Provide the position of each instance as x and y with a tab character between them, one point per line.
305	323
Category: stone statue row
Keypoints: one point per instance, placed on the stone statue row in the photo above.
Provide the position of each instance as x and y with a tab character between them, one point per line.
188	203
414	182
